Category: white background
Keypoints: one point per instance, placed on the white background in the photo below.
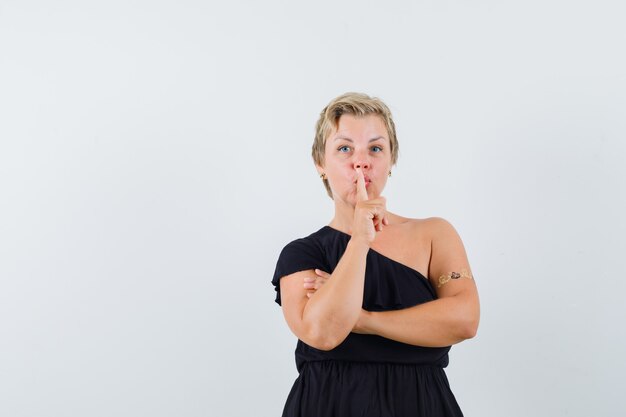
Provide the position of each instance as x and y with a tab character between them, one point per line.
155	158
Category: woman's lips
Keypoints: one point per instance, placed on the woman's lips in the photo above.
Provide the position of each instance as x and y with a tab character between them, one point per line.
366	178
367	182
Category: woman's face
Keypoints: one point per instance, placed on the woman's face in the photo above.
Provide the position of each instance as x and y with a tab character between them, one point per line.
357	142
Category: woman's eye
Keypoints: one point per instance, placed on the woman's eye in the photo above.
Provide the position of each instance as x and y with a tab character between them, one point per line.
377	148
344	149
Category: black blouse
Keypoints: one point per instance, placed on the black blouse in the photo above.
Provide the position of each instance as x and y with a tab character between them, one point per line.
389	285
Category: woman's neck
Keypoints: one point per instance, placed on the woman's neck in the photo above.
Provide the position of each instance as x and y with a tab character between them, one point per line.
344	216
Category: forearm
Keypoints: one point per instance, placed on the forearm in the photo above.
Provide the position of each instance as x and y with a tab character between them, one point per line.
331	313
437	323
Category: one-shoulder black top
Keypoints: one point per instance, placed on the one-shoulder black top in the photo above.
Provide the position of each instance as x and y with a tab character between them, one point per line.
366	375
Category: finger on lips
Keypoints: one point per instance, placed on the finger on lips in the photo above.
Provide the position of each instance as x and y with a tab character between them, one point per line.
361	190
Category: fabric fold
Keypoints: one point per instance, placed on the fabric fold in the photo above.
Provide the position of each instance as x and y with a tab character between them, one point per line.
350	389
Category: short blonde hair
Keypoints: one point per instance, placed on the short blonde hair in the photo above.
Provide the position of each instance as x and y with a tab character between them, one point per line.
356	104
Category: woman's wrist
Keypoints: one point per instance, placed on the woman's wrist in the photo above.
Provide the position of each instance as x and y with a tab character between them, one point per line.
359	243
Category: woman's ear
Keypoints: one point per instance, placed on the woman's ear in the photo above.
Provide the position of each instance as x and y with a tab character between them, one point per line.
320	169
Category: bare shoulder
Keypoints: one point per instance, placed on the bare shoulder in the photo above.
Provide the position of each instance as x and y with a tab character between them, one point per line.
428	228
438	241
408	231
429	245
437	222
435	228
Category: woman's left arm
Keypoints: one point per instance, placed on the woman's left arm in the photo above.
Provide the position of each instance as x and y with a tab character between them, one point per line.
452	317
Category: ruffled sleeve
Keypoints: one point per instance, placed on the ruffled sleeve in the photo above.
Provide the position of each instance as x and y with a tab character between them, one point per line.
299	255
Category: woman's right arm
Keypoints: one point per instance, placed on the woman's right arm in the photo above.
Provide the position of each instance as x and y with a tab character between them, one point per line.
326	318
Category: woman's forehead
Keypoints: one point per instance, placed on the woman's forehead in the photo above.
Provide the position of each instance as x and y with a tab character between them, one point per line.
351	128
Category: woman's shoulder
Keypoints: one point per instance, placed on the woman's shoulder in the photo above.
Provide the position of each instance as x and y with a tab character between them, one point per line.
410	222
436	230
312	239
423	228
436	223
316	241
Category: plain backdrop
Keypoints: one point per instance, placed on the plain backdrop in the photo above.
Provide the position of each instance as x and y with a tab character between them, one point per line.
155	158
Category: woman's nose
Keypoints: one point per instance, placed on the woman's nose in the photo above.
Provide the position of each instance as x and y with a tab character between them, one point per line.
361	164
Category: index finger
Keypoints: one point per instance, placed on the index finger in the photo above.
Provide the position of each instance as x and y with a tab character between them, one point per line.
361	191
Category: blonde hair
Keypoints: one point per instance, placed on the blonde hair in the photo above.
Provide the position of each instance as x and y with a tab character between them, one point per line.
356	104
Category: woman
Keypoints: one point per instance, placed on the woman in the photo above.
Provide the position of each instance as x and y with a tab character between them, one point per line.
375	299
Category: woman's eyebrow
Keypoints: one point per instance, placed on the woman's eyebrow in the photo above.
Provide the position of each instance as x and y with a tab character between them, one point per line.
350	140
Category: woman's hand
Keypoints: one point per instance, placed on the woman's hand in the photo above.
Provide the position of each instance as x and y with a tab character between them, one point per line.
313	284
369	215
